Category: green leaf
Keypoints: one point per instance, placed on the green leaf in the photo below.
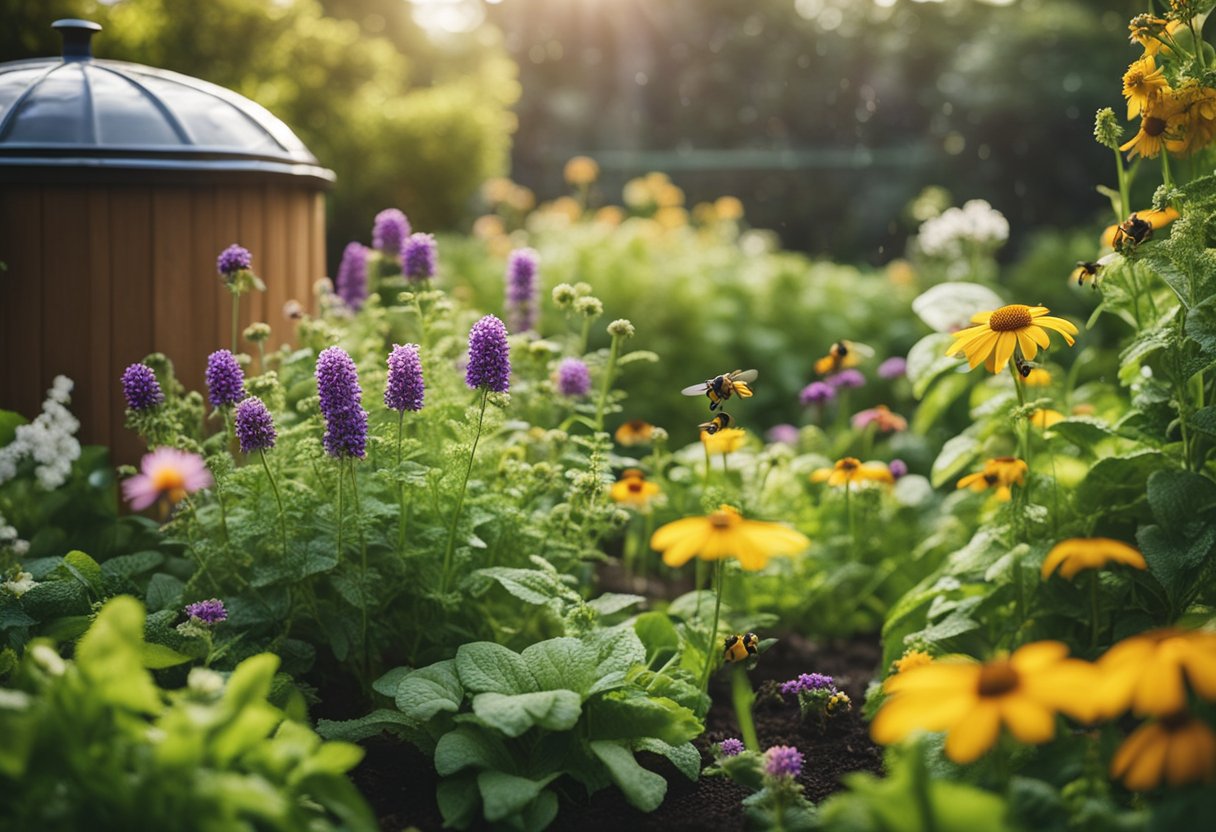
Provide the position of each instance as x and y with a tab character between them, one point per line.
541	813
532	586
503	795
1201	324
1117	481
158	657
470	746
302	561
110	657
956	455
459	800
659	636
684	756
429	690
619	649
643	789
127	566
555	710
933	406
1083	431
927	361
371	725
561	664
1178	498
1204	421
614	602
485	667
625	714
84	569
164	592
251	681
387	684
10	420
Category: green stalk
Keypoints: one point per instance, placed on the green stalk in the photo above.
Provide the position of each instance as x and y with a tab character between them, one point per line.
339	511
848	510
354	490
451	547
1124	198
278	499
609	372
712	640
400	488
742	696
705	445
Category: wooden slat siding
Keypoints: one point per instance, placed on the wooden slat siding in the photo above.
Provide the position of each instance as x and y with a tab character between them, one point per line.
200	264
296	218
21	299
278	260
317	230
104	398
65	294
173	332
252	218
131	298
227	206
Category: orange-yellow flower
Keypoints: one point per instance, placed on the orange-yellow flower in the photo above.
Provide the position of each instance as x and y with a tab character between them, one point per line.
634	432
1143	83
1148	31
971	701
1079	553
1196	125
728	208
1037	377
581	170
1175	750
1162	121
911	660
996	334
725	533
1149	672
634	489
725	441
1045	418
1001	473
852	470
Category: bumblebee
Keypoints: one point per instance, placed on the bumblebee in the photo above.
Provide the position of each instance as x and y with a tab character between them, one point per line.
1024	366
720	388
838	703
1087	270
737	648
842	354
720	422
1132	232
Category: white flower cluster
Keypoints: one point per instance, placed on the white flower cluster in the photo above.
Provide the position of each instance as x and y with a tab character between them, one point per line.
10	540
49	440
951	233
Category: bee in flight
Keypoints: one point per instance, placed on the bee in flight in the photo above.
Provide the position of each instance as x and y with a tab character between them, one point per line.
1024	366
720	422
720	388
738	648
842	354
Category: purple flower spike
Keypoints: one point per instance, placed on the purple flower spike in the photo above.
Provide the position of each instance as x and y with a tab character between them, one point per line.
351	284
489	356
898	468
808	682
817	393
573	378
846	379
893	368
340	394
405	388
521	289
225	379
233	259
783	761
254	426
210	611
730	747
140	387
389	231
418	257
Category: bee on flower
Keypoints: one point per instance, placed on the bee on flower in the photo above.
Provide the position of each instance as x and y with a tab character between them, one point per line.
1001	473
723	440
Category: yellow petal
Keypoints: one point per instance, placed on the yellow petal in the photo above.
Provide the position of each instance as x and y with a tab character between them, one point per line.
1004	349
1144	770
1130	750
1029	348
975	733
979	349
1201	671
1027	720
901	715
1054	558
1038	655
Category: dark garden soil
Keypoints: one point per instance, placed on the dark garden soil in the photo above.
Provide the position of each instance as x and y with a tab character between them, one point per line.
399	782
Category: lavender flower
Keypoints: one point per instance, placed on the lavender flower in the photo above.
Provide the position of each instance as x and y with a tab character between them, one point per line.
340	394
808	682
898	468
783	761
225	379
730	747
521	288
254	426
489	356
210	611
817	393
893	368
573	378
140	387
847	378
786	434
351	284
405	388
418	257
389	231
232	260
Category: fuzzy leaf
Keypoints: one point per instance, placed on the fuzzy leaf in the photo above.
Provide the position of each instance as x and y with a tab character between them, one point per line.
613	602
429	690
531	586
643	789
84	569
626	714
1117	481
956	455
561	664
371	725
470	746
487	667
109	657
387	684
684	756
503	795
164	592
554	710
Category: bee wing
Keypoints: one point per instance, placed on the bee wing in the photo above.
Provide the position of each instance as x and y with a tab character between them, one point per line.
695	389
864	350
745	376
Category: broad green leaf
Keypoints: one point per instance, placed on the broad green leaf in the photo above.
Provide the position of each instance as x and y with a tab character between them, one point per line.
164	592
614	602
658	635
429	690
927	361
158	656
471	746
1204	421
949	306
503	795
684	756
625	714
956	455
540	813
554	710
110	656
136	563
943	394
459	800
532	586
643	789
371	725
1201	324
387	684
619	649
1083	431
84	569
561	664
1117	481
251	680
1178	498
487	667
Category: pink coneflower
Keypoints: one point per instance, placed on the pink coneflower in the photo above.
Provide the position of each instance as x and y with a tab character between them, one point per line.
882	417
166	472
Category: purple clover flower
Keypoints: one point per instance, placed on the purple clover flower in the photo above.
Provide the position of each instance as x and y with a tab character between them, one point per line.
786	434
389	231
225	379
254	426
340	394
783	761
817	393
140	387
846	379
898	468
808	682
210	611
418	257
573	378
233	259
489	356
351	283
406	388
730	747
521	289
893	368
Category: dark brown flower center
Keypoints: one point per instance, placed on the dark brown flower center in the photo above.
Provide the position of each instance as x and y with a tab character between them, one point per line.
1175	721
635	486
997	679
1153	126
1010	318
723	519
848	464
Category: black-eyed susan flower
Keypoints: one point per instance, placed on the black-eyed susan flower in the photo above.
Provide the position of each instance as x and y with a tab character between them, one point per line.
1079	553
1143	83
910	660
1196	120
1001	473
1045	417
970	701
726	533
634	432
634	489
1175	750
1149	672
1163	120
996	334
851	470
1149	31
725	441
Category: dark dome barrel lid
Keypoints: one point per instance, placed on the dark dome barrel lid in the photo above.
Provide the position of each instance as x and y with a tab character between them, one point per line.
79	118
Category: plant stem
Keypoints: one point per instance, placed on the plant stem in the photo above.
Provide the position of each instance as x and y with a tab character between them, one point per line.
451	547
354	490
1124	200
848	510
742	696
713	629
609	371
705	445
339	511
400	489
278	499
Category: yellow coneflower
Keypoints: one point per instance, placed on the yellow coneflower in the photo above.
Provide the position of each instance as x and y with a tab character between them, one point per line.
1148	672
1045	417
581	171
725	441
1156	220
852	470
996	334
725	534
1196	120
1037	377
971	701
634	432
728	208
1148	31
1162	120
634	489
911	660
1079	553
1175	750
1001	473
1143	83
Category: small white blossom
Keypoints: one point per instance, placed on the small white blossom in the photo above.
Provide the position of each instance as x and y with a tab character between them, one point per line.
21	584
49	440
956	230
